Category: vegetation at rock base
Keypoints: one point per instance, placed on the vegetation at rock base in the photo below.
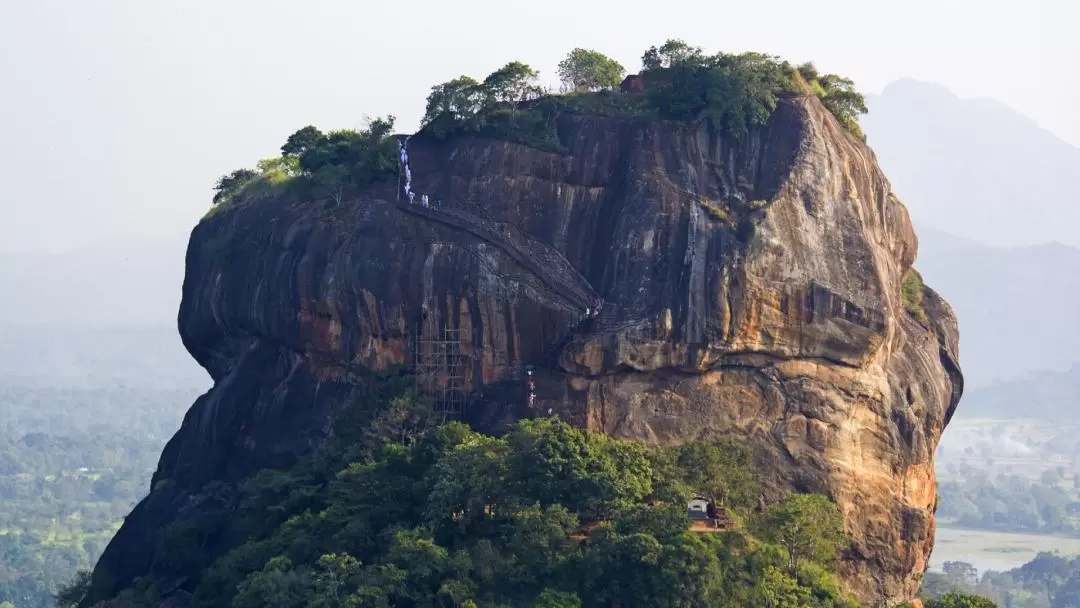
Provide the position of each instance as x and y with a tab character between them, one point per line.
911	294
960	600
737	92
785	524
1048	581
399	511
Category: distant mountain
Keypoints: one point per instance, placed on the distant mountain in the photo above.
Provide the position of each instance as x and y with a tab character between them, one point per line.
1017	308
96	317
118	283
1043	395
975	168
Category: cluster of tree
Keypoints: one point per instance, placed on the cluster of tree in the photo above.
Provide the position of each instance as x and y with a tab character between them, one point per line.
400	512
323	165
1048	581
737	91
959	600
73	461
492	107
1011	503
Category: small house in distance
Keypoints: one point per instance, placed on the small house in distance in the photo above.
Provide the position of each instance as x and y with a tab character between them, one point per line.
707	517
697	508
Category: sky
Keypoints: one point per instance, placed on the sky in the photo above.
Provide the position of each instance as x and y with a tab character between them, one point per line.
117	116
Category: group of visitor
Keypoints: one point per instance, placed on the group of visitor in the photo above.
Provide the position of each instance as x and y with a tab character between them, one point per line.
425	202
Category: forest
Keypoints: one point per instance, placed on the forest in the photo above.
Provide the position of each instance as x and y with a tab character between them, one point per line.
400	511
85	414
1010	475
72	464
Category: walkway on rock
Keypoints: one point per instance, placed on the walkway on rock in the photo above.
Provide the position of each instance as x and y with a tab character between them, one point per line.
547	264
543	261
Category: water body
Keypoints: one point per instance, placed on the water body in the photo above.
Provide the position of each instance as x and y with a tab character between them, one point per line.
1000	551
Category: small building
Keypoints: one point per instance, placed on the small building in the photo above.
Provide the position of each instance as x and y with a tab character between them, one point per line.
698	511
697	508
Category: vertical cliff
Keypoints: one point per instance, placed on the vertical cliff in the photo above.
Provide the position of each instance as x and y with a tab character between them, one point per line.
749	288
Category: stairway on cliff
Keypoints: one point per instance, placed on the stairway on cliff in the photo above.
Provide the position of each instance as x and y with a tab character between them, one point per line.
547	264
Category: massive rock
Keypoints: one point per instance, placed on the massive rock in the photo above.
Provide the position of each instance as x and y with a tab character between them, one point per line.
750	288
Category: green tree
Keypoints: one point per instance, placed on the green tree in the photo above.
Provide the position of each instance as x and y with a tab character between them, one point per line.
231	184
1067	595
809	72
331	181
512	82
277	584
303	140
960	600
468	487
554	463
404	421
73	593
961	573
673	52
1047	572
285	166
775	589
719	471
551	598
457	100
808	526
333	576
843	101
588	70
426	563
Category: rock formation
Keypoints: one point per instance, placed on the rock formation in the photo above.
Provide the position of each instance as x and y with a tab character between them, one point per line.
750	288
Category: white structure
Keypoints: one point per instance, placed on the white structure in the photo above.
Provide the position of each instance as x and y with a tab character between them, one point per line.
697	504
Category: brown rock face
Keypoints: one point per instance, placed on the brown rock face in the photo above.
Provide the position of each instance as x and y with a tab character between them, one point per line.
750	289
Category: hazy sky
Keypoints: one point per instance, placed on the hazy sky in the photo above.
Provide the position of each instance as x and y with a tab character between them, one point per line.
116	116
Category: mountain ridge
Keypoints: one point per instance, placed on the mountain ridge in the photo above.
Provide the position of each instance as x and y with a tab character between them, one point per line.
941	151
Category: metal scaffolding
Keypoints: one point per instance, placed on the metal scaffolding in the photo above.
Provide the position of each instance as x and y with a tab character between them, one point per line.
440	368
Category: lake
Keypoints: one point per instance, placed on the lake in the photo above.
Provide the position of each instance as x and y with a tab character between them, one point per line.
987	550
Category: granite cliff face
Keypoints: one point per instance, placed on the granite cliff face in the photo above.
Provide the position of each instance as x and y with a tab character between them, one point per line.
749	289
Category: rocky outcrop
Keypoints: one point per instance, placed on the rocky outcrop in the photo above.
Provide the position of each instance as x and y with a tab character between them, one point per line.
750	288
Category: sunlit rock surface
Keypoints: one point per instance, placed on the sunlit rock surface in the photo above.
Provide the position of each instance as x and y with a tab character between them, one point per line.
749	289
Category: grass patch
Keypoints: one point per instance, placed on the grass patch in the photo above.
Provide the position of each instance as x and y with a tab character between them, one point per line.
610	103
715	211
270	185
911	293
